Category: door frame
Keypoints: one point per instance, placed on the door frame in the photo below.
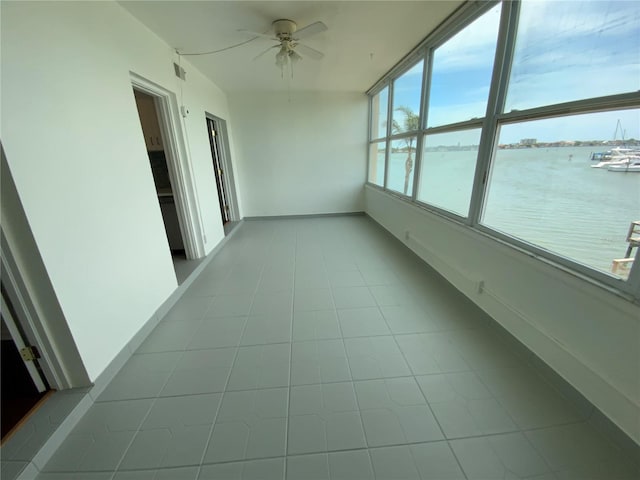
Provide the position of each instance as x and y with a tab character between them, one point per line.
225	161
34	327
179	165
18	338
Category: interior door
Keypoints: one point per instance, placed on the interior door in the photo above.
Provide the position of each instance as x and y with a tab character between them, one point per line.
16	335
223	199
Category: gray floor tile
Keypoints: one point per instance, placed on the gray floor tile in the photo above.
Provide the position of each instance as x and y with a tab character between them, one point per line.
375	357
579	452
379	276
352	465
499	456
429	353
70	476
353	297
394	412
362	322
271	469
119	416
272	304
154	368
463	406
251	424
230	305
200	371
312	299
180	473
411	319
388	295
349	278
217	333
267	328
90	452
315	325
319	361
261	366
426	461
323	418
531	402
169	336
188	309
174	434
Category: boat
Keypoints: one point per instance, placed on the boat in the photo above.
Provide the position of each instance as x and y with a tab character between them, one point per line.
633	166
616	161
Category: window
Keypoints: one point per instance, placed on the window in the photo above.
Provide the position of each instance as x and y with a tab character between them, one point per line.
543	190
574	50
448	167
377	152
461	74
379	106
407	92
499	149
401	165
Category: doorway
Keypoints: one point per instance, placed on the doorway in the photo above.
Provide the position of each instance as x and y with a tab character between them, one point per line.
24	386
219	144
155	142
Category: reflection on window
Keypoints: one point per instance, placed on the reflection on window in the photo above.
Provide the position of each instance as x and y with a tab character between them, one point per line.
448	168
574	50
543	190
402	165
407	90
461	74
376	163
379	105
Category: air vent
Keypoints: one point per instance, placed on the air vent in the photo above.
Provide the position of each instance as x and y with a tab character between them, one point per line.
180	72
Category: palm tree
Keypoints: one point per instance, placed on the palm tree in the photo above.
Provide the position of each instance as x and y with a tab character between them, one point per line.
411	123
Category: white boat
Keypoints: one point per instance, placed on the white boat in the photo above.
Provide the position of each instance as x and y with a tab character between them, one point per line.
615	161
633	166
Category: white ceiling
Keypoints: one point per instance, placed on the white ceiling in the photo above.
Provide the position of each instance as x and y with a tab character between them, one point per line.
364	40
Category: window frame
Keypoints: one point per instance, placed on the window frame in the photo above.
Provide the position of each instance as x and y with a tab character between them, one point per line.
490	124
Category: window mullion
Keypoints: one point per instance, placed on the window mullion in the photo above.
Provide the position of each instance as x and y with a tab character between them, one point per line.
388	126
495	105
424	99
633	281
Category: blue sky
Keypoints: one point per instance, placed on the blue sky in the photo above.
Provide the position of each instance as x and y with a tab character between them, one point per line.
565	50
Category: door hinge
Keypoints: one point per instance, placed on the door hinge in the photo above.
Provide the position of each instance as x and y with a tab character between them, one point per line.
29	354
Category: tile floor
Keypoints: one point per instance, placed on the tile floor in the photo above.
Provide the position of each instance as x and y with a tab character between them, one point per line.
323	349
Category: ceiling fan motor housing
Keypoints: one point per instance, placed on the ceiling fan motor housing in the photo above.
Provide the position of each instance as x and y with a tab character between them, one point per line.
284	29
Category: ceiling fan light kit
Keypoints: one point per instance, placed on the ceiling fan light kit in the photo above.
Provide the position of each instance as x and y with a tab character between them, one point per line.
290	50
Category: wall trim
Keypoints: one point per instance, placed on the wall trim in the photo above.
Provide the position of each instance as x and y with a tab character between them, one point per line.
309	215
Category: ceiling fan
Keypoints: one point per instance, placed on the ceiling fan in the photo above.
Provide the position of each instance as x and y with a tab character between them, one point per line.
290	50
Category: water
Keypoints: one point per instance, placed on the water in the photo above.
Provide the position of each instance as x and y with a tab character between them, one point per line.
546	196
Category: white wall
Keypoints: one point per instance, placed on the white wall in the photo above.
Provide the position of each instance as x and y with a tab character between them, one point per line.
74	145
303	155
588	335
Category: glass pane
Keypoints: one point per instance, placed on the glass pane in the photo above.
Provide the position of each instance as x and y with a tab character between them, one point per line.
543	190
401	165
379	105
574	50
461	74
376	162
406	100
448	167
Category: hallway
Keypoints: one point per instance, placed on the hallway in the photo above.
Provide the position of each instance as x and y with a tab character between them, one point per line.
323	348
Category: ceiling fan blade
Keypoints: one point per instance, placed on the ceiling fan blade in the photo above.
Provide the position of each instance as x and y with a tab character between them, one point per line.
309	30
309	52
263	52
257	34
